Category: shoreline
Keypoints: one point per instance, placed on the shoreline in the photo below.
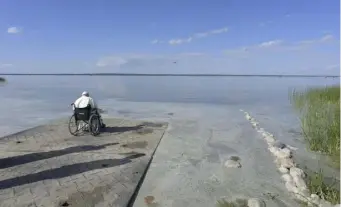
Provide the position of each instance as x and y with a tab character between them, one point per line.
219	124
292	175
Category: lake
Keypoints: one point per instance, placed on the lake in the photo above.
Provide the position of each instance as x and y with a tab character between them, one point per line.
194	107
30	100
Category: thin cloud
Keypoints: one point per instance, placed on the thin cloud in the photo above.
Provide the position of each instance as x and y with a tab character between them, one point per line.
270	43
218	31
327	38
156	41
179	41
14	30
324	39
281	45
111	61
246	49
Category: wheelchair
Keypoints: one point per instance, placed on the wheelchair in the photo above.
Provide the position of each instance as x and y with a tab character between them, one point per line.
84	119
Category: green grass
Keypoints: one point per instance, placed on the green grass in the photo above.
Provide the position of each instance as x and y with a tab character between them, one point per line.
317	185
319	111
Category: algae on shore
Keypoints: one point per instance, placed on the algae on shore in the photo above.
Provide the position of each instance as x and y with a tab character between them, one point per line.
319	112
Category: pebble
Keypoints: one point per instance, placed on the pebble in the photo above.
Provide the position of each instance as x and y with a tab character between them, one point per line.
273	150
294	171
303	196
287	162
279	144
287	178
284	153
269	139
315	199
291	187
299	182
283	170
232	164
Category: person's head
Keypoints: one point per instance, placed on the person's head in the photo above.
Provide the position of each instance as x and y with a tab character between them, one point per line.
85	93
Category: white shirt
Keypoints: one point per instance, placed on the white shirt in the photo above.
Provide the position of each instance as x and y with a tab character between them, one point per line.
83	102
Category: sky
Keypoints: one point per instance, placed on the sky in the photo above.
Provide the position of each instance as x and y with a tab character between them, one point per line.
170	36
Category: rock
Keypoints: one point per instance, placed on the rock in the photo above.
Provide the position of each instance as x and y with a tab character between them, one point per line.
314	200
294	171
274	150
278	162
287	162
337	205
261	130
283	153
303	196
255	202
299	182
291	187
254	123
269	134
232	164
324	203
283	170
269	139
279	144
287	178
248	117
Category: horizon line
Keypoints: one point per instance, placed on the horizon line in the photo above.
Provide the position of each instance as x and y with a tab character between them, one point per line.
169	74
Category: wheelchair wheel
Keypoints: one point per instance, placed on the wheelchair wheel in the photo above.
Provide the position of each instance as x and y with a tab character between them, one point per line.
73	126
94	125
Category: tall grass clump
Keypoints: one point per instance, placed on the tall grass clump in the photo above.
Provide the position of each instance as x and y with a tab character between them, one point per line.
319	110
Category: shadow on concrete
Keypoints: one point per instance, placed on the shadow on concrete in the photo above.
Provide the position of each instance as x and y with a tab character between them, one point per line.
23	159
67	170
122	129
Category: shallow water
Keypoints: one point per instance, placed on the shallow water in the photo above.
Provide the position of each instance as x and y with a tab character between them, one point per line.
30	100
194	107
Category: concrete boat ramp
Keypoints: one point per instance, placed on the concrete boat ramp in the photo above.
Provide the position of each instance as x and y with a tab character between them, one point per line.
46	166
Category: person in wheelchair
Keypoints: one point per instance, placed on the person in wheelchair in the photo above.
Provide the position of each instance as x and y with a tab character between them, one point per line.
84	101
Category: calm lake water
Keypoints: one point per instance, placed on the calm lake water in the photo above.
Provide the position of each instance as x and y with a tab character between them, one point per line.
210	103
30	100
